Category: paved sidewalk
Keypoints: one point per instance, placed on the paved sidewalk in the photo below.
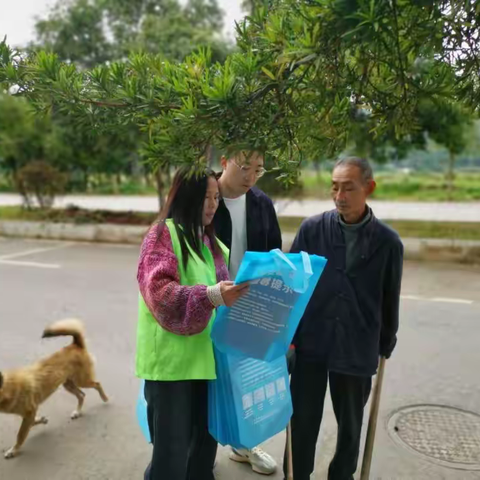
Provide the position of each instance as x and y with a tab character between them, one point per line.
431	211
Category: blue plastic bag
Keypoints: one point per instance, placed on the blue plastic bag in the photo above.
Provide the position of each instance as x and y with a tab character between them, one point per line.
250	400
142	413
262	323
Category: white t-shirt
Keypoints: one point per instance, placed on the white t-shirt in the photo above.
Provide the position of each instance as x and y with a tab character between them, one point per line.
238	213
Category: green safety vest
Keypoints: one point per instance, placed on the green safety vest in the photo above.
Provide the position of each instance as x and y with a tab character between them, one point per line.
165	356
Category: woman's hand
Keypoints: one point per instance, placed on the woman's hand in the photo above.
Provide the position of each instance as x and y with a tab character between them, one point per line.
231	293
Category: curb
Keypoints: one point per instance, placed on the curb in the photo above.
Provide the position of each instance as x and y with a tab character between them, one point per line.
420	249
430	249
106	233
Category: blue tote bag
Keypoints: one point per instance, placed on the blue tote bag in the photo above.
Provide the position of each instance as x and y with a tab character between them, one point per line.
250	400
142	412
262	324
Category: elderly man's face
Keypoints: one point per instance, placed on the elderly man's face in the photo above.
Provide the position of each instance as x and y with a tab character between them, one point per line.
350	192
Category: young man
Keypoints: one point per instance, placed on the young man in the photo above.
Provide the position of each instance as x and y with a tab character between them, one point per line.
351	320
246	220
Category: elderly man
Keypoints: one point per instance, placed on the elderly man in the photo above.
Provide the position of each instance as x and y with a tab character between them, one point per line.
351	320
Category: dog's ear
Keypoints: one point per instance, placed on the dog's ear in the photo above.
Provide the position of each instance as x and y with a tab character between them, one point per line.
1	380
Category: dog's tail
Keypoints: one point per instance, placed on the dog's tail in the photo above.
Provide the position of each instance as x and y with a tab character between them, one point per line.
67	327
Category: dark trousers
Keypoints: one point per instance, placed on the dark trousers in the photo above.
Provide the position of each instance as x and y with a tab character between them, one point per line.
349	395
183	449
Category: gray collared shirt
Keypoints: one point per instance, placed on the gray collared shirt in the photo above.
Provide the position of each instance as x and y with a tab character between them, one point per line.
351	235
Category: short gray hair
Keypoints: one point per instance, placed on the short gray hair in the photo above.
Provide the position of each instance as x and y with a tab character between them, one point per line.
362	164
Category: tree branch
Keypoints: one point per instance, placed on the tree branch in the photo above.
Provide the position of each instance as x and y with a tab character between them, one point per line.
399	51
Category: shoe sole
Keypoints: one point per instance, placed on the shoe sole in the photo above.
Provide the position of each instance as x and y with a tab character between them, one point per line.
239	459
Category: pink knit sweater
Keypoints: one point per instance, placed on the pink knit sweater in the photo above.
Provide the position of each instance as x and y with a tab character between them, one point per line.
180	309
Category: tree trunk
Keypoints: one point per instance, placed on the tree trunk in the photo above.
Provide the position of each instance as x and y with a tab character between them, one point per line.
160	188
86	181
136	169
147	179
450	176
116	184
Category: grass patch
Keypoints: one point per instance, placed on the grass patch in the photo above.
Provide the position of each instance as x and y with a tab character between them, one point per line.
393	186
404	187
411	228
77	216
126	188
450	230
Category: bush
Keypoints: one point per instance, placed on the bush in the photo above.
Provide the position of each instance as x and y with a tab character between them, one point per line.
5	185
40	181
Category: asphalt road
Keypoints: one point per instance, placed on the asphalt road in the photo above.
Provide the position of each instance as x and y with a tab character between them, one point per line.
437	362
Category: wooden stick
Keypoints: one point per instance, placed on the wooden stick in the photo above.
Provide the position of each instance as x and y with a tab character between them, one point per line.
372	422
289	452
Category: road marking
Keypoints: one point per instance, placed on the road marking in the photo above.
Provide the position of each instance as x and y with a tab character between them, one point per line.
461	301
452	300
29	264
34	251
121	246
411	297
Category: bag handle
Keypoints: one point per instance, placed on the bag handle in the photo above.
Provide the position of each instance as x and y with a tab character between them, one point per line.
289	271
284	258
307	264
307	270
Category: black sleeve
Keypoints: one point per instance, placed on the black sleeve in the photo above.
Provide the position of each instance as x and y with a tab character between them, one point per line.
298	245
274	239
300	242
391	301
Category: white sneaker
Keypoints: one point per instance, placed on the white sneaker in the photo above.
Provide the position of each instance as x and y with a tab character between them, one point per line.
260	461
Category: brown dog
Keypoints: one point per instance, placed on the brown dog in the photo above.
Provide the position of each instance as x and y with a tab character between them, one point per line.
22	391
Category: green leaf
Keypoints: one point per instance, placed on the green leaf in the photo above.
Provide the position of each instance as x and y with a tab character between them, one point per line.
268	73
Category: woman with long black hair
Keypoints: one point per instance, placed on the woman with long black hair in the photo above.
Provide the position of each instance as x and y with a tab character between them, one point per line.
183	278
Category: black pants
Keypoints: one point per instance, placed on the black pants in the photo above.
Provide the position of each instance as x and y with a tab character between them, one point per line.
183	449
349	396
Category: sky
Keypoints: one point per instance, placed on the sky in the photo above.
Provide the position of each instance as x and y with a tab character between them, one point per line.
17	17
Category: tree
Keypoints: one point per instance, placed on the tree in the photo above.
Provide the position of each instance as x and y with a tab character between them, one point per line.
448	124
445	122
305	75
92	32
83	155
21	135
249	6
76	33
40	181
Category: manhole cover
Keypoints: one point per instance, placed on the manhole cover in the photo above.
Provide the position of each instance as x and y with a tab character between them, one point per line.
445	435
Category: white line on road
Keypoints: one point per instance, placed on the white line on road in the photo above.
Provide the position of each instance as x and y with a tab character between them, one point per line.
411	297
34	251
438	299
452	300
29	264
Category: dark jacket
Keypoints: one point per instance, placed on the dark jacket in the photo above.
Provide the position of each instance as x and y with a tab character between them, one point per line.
263	231
352	317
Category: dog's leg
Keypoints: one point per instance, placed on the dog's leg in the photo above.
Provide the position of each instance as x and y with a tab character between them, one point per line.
40	421
22	435
74	390
98	387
